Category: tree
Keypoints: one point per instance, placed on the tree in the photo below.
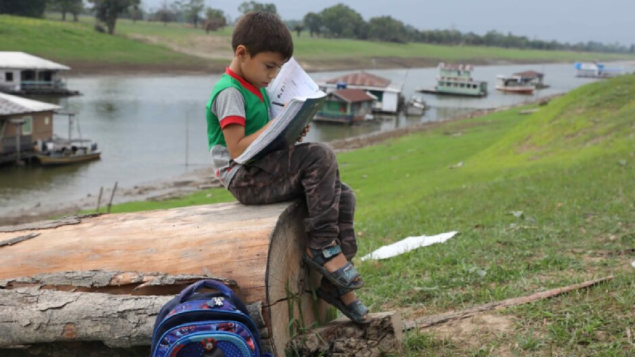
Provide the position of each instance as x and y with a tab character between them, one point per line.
313	22
27	8
215	20
385	28
342	21
252	6
107	11
192	11
136	14
165	14
66	6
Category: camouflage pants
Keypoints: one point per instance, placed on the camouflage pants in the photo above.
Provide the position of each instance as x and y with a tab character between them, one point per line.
310	171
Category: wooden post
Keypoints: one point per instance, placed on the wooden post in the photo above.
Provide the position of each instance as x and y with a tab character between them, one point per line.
101	191
112	196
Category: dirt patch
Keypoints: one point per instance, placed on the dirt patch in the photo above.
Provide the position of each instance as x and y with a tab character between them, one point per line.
208	47
473	331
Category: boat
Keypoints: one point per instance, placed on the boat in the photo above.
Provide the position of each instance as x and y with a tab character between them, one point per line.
59	158
514	84
415	106
457	80
595	70
59	151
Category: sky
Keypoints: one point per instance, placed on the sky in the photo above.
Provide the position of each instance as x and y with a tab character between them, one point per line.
607	21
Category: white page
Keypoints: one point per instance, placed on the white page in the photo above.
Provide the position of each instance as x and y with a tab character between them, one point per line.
291	82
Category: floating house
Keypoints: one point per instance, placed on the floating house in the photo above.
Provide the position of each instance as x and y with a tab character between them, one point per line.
24	126
456	79
346	106
388	97
24	74
533	78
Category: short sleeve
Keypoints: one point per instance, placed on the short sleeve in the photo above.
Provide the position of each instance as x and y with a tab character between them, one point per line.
229	107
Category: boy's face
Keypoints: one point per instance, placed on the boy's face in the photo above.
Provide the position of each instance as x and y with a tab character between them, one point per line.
262	68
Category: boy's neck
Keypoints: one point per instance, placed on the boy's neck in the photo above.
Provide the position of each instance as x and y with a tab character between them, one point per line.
235	67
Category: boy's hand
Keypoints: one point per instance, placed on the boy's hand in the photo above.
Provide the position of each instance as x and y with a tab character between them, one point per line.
304	132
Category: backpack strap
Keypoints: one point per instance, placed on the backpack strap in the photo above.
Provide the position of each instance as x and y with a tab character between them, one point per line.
216	285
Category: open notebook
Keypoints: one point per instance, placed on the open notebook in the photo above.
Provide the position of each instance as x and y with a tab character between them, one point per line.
303	99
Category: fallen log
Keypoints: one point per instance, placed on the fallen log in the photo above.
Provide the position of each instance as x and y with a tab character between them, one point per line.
36	316
255	248
429	321
381	335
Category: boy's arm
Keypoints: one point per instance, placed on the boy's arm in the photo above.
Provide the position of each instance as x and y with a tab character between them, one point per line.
229	107
236	140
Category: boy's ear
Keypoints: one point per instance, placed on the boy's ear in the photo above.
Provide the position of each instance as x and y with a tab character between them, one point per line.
241	52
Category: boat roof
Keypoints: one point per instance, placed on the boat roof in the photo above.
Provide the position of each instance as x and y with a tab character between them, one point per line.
361	79
456	67
529	74
21	60
11	105
353	95
502	76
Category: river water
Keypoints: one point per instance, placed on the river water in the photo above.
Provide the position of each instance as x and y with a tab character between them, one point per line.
149	127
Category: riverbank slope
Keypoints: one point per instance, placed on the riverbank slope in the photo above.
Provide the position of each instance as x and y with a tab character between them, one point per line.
541	200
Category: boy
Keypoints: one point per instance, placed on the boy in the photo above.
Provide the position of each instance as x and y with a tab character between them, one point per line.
237	113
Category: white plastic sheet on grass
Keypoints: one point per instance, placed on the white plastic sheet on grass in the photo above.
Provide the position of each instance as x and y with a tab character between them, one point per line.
406	245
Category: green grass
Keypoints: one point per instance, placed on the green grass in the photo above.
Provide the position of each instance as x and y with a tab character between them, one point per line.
68	41
569	168
79	42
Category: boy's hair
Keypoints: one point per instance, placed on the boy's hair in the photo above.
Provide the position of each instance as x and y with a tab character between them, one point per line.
263	32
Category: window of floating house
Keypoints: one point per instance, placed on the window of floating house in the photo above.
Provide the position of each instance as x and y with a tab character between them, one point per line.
8	76
27	127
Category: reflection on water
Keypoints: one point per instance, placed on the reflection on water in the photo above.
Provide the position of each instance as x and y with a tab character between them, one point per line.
141	125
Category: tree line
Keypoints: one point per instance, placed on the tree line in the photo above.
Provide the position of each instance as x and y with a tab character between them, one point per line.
338	21
341	21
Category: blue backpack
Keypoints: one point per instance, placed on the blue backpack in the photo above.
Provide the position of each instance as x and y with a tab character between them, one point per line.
196	324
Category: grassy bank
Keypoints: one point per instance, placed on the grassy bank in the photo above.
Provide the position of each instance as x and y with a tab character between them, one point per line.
73	43
541	201
179	46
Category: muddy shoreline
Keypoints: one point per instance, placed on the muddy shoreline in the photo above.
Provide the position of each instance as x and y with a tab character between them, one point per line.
202	179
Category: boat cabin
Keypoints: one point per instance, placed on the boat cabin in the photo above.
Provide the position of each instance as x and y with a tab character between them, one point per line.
596	70
456	79
24	126
532	77
24	74
346	106
388	96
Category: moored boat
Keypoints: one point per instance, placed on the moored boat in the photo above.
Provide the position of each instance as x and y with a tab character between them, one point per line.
415	106
456	79
67	151
514	84
57	158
